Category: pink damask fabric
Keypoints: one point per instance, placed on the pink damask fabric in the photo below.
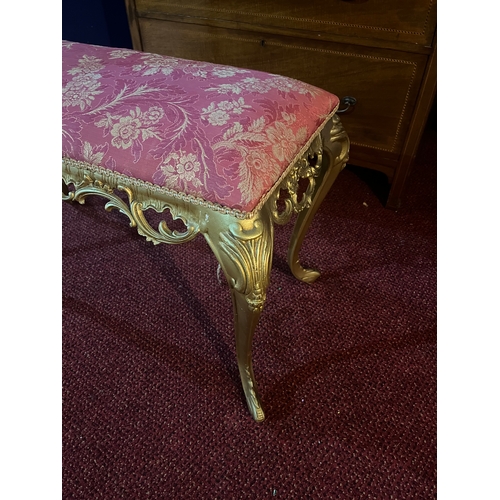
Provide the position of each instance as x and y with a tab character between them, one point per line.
216	132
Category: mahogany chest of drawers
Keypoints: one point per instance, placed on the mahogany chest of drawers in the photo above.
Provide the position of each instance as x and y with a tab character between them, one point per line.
382	53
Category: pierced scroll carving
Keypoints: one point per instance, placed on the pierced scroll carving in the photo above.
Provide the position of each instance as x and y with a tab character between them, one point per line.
306	168
336	142
242	243
134	210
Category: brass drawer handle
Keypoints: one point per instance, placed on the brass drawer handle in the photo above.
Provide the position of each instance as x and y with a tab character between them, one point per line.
347	101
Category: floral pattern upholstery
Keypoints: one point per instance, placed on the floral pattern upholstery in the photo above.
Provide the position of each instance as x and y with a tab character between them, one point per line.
220	133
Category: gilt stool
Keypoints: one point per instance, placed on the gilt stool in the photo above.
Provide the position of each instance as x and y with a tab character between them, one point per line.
228	151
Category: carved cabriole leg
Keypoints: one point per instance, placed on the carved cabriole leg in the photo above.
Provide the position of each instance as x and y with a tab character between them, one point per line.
243	247
244	250
335	140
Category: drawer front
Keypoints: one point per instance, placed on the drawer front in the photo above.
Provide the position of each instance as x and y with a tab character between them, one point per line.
411	21
385	83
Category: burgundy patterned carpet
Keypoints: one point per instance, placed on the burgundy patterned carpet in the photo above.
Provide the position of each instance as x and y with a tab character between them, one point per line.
152	404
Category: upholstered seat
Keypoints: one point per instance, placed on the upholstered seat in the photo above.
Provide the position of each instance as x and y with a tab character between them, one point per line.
215	145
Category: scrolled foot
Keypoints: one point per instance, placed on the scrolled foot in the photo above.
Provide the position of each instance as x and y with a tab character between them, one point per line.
325	173
244	251
305	275
249	388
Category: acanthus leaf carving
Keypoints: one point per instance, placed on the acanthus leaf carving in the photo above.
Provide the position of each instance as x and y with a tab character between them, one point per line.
250	253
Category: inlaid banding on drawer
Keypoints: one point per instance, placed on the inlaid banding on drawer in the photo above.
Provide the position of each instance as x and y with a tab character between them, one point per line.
390	149
384	84
318	21
382	19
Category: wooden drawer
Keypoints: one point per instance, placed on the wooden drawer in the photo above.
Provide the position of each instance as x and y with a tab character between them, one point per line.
410	21
384	82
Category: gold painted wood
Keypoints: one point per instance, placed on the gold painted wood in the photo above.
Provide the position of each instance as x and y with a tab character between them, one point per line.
242	244
244	251
336	143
